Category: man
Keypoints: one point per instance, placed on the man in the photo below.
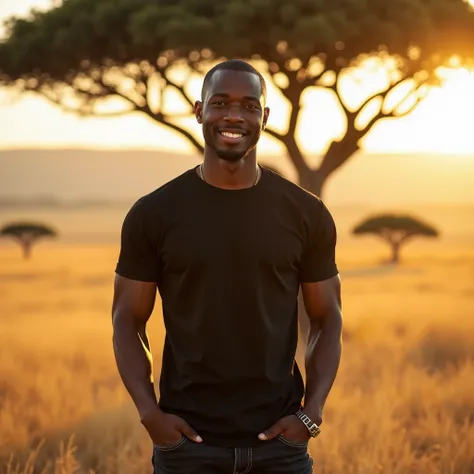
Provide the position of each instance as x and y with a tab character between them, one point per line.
228	245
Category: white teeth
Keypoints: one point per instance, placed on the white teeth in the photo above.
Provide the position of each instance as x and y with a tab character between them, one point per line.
232	135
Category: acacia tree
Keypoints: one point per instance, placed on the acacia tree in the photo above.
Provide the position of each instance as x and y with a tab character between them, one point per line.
396	230
84	52
27	234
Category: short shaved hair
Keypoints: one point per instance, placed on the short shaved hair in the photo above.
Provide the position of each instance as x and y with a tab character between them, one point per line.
233	65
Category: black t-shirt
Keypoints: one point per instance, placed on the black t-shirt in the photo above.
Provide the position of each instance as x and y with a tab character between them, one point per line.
228	265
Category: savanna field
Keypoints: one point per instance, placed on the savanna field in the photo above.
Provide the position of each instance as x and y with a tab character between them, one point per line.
403	402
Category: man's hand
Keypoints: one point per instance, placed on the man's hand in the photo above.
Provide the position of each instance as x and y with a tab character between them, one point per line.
290	427
165	429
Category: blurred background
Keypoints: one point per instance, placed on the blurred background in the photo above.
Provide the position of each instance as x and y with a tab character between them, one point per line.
372	108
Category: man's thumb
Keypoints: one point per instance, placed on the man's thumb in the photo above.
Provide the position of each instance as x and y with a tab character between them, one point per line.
271	433
190	433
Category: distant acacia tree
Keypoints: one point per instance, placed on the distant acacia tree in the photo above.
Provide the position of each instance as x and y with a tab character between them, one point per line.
396	230
27	234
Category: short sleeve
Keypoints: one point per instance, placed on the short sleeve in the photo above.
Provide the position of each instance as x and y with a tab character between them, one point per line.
138	258
319	257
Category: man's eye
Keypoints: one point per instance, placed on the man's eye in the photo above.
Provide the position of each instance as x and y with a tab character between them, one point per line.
218	102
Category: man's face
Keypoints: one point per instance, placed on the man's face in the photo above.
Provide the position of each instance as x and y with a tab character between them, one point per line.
232	114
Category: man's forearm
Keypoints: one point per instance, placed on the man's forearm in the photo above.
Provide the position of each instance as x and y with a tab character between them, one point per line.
134	363
323	355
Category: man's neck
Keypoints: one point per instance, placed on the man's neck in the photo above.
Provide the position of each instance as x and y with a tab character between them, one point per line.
230	175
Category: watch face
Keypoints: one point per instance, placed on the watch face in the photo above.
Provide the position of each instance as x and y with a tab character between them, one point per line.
314	430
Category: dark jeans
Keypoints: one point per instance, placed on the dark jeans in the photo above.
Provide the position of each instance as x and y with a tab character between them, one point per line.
278	456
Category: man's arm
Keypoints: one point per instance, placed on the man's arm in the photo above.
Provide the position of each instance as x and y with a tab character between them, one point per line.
132	306
323	353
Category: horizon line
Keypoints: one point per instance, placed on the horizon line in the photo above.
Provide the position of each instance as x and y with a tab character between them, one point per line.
183	153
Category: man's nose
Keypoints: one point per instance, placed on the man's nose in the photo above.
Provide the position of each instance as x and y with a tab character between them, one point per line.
234	114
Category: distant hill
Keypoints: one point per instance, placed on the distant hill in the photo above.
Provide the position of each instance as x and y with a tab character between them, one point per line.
76	176
84	177
49	202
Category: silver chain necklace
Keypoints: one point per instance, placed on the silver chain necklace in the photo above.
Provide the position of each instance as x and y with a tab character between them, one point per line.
201	172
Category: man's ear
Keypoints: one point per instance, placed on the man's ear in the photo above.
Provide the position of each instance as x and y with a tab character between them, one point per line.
198	111
266	114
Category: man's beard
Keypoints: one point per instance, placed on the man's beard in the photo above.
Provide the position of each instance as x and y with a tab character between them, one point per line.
229	155
232	156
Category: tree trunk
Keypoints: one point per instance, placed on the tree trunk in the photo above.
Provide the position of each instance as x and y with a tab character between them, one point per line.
395	252
26	246
313	181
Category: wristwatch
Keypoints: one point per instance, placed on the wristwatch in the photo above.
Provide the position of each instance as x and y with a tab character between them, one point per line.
313	428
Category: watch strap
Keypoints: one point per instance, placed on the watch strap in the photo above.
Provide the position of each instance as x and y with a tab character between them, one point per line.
311	426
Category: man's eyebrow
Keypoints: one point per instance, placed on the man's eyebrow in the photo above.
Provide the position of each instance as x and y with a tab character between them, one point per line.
251	97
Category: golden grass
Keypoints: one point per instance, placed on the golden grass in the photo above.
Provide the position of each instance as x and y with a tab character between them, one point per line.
402	404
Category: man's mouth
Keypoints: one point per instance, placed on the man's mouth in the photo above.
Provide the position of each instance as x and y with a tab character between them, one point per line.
232	135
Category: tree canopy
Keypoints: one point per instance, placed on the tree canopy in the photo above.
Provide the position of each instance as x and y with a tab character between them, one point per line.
84	52
393	222
27	234
395	230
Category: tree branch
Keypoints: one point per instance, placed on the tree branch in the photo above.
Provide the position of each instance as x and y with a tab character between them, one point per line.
275	134
289	139
381	94
179	89
334	87
83	112
294	114
293	94
163	119
408	235
407	96
111	90
339	152
393	113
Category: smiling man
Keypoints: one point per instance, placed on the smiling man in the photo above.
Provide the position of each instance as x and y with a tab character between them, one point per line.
228	245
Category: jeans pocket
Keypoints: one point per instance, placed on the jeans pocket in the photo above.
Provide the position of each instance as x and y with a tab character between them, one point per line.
171	447
293	444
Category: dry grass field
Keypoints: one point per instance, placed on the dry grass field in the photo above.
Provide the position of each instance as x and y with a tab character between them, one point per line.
403	402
